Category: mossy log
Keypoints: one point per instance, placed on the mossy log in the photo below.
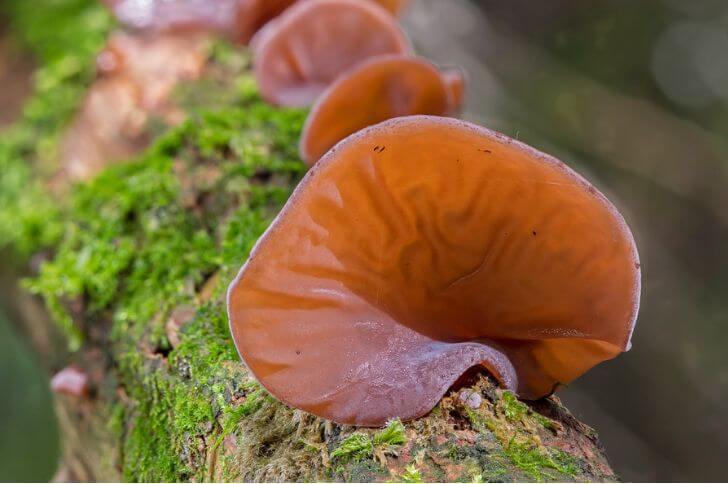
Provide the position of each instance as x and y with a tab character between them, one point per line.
132	265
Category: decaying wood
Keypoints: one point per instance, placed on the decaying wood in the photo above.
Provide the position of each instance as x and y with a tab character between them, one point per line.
478	432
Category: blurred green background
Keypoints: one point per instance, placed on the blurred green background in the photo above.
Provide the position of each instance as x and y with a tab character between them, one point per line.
634	95
28	434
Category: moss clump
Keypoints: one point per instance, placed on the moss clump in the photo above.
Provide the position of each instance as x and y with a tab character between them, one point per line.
356	446
513	409
65	36
516	428
537	461
411	474
392	435
145	235
360	445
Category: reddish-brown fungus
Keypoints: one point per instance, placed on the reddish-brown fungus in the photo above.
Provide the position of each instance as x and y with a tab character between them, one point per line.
378	89
254	14
420	248
456	82
70	381
165	15
236	19
301	52
395	7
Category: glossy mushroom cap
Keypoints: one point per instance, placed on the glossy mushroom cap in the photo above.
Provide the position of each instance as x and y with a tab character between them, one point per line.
301	52
420	248
456	80
376	90
254	14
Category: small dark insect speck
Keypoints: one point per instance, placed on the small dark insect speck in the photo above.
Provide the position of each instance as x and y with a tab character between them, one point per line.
298	352
637	265
533	232
486	151
379	149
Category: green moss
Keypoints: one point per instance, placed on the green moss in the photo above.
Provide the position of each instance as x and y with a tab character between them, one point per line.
131	240
480	422
141	239
537	462
392	434
513	409
64	35
356	446
359	445
365	471
411	474
514	427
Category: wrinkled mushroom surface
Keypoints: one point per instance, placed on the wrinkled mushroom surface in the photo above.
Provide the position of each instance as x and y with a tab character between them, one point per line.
301	52
422	247
376	90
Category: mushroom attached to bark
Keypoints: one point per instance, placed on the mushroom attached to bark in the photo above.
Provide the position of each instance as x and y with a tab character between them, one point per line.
376	90
301	52
254	14
236	19
420	248
165	15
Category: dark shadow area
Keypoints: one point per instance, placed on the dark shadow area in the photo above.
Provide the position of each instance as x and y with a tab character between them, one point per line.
29	436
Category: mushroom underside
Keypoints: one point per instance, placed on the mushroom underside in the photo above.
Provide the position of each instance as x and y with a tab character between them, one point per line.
401	373
419	248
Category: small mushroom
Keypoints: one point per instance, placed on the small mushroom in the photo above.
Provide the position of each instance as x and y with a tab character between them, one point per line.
378	89
301	52
419	249
456	81
236	19
395	7
166	15
71	381
254	14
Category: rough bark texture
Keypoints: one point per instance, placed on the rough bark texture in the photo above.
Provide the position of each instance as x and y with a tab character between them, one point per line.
132	266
